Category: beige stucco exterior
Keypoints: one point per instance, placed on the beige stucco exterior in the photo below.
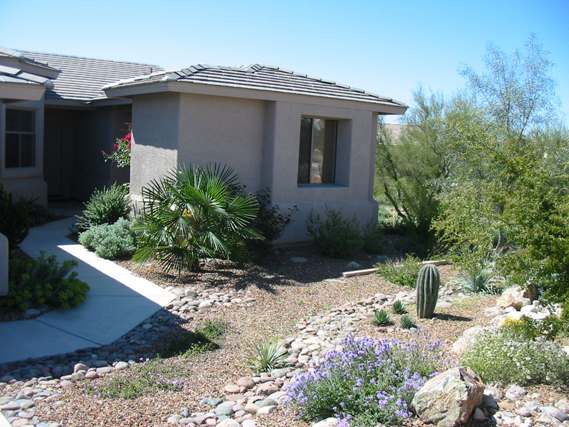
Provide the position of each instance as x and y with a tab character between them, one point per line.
260	140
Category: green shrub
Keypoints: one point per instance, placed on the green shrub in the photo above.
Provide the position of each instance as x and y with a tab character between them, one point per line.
268	356
105	206
43	281
381	318
110	241
140	380
407	322
531	329
270	220
403	273
398	307
15	218
373	240
335	235
480	277
508	358
193	214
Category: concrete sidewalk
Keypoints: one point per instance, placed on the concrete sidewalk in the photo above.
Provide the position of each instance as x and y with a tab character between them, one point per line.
117	302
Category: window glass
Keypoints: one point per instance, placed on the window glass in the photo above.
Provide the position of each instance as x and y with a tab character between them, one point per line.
19	120
12	151
20	139
317	157
26	151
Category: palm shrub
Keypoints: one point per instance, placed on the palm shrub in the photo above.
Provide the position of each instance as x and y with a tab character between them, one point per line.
192	214
105	206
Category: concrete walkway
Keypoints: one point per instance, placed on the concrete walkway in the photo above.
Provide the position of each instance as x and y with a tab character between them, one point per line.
117	302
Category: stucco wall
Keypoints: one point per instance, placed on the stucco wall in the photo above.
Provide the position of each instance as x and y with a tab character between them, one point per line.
155	127
355	162
224	130
25	183
260	140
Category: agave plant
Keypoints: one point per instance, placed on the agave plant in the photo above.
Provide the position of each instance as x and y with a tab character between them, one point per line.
268	355
192	214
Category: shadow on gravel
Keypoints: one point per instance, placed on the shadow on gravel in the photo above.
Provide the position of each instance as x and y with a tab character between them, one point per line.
452	317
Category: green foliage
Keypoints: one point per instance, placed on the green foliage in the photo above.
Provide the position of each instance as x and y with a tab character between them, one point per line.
15	218
479	277
110	241
189	343
428	283
398	307
268	355
381	318
406	322
403	273
334	234
531	329
411	169
373	242
195	213
140	380
105	206
508	358
270	220
43	281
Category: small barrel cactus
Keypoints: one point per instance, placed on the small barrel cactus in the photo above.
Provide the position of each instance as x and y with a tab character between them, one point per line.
428	283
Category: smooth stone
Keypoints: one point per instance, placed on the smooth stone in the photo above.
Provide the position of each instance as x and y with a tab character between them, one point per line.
328	422
228	423
265	410
248	423
225	408
555	413
232	388
515	392
121	365
80	367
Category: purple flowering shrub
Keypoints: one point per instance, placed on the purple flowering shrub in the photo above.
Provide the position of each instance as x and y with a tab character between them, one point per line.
367	382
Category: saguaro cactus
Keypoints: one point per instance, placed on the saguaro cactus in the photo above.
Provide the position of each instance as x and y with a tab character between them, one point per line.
428	284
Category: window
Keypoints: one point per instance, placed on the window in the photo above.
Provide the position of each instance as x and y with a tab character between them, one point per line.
317	157
20	139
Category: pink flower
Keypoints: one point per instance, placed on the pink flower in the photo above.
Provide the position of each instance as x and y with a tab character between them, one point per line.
127	137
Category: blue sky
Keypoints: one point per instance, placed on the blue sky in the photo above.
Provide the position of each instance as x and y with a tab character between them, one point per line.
388	47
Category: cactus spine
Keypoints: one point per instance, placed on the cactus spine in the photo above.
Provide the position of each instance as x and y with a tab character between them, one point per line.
428	283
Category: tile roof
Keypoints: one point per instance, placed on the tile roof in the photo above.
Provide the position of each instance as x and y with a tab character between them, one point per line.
15	75
82	78
260	77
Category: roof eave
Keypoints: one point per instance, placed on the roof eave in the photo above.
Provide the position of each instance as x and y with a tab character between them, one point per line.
21	91
142	88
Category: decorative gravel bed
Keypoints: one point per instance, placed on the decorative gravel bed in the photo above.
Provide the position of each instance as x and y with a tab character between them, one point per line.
298	298
256	303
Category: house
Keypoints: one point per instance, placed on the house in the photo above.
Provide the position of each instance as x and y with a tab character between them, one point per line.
55	121
310	141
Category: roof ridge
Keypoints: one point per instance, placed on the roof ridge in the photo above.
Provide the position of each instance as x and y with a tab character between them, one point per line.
24	52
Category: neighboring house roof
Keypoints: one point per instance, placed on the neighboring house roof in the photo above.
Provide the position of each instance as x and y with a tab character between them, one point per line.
259	77
81	79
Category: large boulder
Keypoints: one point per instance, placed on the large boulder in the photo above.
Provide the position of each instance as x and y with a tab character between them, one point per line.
514	296
449	399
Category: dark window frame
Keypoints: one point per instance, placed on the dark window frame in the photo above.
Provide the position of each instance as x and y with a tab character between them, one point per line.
20	134
329	154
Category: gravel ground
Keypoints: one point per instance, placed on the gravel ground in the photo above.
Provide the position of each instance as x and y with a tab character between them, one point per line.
285	292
